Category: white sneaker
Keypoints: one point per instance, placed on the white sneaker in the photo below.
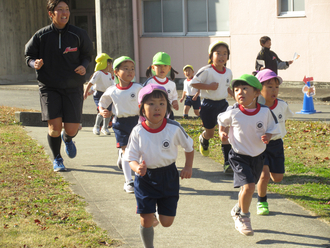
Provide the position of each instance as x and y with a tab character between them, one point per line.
129	186
120	155
243	225
96	130
105	131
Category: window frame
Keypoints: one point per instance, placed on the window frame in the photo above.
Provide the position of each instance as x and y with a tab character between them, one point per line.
293	13
185	32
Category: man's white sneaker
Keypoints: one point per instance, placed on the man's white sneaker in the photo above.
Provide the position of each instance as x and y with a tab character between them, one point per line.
96	130
105	131
129	186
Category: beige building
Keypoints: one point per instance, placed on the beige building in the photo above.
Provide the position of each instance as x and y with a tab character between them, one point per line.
184	29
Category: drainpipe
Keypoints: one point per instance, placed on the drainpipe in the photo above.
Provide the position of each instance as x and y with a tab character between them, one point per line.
136	40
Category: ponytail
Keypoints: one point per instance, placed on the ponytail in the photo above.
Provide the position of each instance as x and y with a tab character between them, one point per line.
149	72
172	73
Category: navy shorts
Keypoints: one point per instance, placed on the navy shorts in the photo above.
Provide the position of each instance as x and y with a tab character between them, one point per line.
274	156
64	103
246	169
158	187
189	102
210	110
97	97
123	127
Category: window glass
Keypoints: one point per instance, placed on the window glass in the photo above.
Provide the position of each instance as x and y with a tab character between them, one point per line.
218	15
299	5
152	16
285	6
196	11
172	14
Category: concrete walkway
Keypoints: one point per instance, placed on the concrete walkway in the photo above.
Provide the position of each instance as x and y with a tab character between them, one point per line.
203	216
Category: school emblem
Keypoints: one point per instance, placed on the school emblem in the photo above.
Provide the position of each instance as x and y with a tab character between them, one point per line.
166	144
260	125
280	116
133	95
168	91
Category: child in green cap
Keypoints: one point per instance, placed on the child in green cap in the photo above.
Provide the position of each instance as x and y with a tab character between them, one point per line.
124	97
251	127
157	74
101	80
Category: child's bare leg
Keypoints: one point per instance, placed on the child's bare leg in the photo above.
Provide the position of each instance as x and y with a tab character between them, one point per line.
165	220
196	111
276	177
263	181
245	197
147	230
208	133
186	111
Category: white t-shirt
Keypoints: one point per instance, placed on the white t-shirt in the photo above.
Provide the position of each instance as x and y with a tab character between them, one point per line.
101	81
169	85
209	74
246	128
124	99
157	147
190	91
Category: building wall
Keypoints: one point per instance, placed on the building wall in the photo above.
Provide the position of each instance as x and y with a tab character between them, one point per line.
20	19
248	21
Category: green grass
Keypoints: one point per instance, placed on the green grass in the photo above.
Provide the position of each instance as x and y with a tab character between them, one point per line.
37	207
307	164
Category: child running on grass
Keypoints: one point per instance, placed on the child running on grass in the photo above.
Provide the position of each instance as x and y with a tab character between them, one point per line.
251	128
124	97
274	153
191	94
151	151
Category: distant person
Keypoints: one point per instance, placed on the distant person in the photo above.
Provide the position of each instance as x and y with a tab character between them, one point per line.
251	127
274	153
268	59
100	81
213	81
190	93
152	151
157	74
60	53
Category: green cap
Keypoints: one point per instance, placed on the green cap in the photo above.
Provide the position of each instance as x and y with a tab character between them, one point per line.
249	79
101	61
188	66
161	58
120	60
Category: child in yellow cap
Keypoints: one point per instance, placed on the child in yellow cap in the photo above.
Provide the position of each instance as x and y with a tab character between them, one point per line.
101	80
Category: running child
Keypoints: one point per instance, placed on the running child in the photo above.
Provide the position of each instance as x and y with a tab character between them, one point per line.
191	94
100	81
124	97
151	151
157	74
251	128
274	153
213	81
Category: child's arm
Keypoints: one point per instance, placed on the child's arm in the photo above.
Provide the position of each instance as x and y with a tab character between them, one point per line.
89	85
223	133
140	169
196	95
187	170
183	95
266	137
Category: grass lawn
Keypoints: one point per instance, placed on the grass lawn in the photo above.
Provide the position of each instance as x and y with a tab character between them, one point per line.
307	164
37	207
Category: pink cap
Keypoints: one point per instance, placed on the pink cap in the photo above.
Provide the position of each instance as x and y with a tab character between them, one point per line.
267	74
146	90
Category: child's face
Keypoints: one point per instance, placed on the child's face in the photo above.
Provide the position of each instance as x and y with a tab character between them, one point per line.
270	90
126	71
61	15
246	96
155	111
267	44
161	70
220	56
188	73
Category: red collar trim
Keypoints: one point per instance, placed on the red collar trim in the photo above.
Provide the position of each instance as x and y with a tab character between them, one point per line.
221	72
155	78
104	72
189	79
274	105
250	113
157	130
124	88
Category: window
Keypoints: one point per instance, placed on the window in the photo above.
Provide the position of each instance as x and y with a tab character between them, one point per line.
292	8
185	17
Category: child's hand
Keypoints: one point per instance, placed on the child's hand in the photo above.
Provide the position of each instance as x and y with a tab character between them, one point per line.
223	136
214	86
142	169
194	98
105	113
266	138
181	100
175	105
186	172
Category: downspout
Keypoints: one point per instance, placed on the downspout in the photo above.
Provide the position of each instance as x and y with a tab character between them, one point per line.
136	40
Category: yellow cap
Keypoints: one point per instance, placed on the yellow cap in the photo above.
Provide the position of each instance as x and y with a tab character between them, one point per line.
101	61
188	66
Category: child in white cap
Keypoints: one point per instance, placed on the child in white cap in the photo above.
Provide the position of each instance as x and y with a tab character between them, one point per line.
151	151
100	81
274	153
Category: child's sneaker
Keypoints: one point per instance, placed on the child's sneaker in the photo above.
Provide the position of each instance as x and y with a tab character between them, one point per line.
203	146
243	225
185	117
58	165
70	147
105	131
262	208
96	130
129	186
120	155
227	168
235	212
